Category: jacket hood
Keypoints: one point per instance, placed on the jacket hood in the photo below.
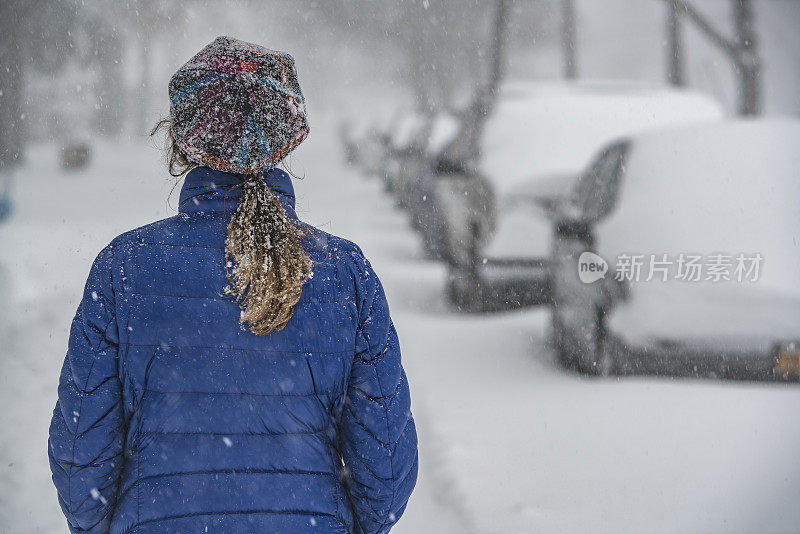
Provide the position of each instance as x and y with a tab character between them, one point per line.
206	189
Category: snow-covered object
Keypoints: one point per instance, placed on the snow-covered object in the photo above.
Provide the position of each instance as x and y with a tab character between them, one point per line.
443	129
366	136
408	130
376	123
173	418
540	128
726	188
237	107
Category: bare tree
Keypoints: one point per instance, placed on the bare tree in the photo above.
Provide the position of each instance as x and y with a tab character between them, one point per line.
747	59
145	17
741	49
497	56
11	132
108	50
568	31
464	151
150	20
23	24
100	48
675	70
443	59
438	41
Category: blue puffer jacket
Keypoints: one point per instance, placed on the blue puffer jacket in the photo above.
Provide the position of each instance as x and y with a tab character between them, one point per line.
173	418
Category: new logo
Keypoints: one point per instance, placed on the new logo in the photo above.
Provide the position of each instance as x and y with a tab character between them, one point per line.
591	267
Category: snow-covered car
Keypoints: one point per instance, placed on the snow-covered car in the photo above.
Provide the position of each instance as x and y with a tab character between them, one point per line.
698	229
365	144
405	154
542	135
424	210
534	145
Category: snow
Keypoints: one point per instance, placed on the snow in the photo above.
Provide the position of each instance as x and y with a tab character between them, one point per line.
444	128
407	130
740	315
522	231
731	186
725	188
509	443
546	130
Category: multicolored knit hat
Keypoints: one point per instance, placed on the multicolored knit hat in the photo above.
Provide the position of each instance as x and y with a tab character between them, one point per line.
237	107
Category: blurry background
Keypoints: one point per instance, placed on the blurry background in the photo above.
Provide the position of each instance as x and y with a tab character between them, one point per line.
398	91
80	68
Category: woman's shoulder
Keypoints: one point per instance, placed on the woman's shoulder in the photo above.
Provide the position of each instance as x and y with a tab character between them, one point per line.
181	230
334	244
337	250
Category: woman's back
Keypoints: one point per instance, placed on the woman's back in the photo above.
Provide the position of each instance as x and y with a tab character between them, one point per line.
173	417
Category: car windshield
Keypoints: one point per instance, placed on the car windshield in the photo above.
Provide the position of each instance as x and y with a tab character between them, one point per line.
596	191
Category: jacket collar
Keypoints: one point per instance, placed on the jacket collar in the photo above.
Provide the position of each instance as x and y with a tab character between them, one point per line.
206	189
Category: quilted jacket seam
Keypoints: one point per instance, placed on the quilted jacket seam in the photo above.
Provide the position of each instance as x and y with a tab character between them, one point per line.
305	513
140	480
388	439
325	351
178	245
172	432
223	298
149	390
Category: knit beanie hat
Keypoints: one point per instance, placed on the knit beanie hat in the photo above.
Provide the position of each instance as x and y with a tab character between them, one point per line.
237	107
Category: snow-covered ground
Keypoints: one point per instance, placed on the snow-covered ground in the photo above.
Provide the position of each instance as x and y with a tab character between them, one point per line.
509	443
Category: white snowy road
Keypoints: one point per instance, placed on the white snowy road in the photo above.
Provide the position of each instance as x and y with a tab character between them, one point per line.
508	442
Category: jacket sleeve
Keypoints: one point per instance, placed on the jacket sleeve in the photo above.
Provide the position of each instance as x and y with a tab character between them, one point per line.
379	440
87	429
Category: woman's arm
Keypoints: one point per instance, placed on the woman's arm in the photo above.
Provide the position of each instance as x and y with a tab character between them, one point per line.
87	430
379	440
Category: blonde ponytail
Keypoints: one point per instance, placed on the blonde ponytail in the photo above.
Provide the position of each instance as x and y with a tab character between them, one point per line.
266	263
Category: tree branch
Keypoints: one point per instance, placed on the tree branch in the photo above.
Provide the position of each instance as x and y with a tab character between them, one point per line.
729	46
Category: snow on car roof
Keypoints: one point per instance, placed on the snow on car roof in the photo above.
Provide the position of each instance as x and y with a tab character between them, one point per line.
407	129
727	188
444	128
544	128
377	121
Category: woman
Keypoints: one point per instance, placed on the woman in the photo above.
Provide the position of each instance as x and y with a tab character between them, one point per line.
212	384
